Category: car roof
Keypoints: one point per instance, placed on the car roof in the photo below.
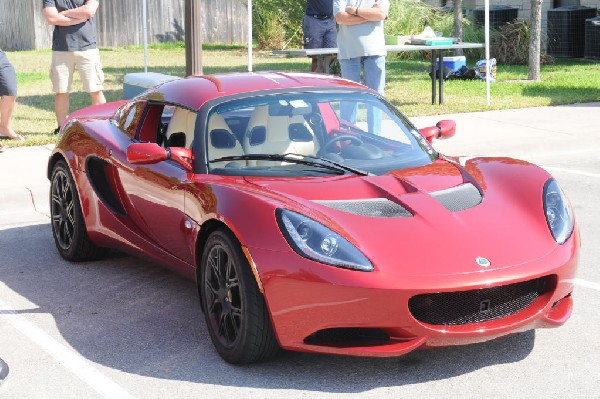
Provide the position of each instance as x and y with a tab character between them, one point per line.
194	91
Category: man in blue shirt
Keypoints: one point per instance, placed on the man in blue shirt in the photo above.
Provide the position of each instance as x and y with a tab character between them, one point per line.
73	47
318	26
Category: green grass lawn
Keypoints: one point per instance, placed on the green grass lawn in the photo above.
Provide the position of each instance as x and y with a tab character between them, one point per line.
408	84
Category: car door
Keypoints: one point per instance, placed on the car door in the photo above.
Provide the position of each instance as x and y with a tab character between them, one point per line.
154	193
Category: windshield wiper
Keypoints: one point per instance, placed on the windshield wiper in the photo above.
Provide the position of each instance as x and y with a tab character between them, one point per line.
294	158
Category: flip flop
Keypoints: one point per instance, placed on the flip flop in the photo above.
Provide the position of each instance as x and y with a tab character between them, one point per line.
18	138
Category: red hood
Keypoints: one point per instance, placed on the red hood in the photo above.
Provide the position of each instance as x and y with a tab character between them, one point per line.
501	228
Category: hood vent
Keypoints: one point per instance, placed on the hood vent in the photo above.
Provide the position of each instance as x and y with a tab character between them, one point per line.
459	198
374	207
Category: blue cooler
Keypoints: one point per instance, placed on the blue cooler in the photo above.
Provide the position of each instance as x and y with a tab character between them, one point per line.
136	83
453	63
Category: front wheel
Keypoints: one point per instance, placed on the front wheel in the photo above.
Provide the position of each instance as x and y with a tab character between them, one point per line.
235	311
68	226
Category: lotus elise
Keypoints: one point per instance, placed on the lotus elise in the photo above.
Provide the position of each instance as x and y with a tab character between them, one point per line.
314	216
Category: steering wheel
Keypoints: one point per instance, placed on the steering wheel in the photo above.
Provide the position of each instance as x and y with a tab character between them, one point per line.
341	137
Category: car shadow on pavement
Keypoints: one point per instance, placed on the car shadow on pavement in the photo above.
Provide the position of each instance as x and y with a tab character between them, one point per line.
134	316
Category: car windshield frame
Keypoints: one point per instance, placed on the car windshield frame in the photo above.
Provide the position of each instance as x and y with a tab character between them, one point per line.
416	150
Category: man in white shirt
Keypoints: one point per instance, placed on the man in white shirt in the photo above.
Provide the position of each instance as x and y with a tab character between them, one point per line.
361	41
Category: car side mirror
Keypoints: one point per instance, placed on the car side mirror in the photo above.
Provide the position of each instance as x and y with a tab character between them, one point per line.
442	130
151	153
146	153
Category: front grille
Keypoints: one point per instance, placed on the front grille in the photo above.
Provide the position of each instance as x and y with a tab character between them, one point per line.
475	306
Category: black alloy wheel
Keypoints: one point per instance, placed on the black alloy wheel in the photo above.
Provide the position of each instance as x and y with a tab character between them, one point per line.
236	314
68	225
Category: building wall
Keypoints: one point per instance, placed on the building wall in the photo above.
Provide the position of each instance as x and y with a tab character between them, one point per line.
22	25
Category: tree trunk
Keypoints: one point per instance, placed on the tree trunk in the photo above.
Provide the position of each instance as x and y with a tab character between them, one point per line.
193	38
535	25
458	27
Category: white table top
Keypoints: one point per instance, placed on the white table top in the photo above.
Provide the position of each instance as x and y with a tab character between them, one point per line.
390	48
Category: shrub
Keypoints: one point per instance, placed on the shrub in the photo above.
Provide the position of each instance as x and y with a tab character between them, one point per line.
277	24
511	44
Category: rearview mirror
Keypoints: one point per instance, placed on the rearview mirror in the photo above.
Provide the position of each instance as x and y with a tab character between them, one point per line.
442	130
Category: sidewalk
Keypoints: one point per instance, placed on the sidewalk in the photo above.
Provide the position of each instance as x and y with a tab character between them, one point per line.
24	186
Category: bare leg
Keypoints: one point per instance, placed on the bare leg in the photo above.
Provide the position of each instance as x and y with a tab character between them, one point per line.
97	97
7	106
61	107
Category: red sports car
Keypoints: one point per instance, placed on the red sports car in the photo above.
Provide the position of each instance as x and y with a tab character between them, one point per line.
314	216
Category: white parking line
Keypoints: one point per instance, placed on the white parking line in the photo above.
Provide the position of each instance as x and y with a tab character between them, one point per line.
572	171
587	284
62	354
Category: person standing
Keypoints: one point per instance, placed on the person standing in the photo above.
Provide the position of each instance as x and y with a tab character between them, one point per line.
361	47
361	40
318	27
73	47
8	99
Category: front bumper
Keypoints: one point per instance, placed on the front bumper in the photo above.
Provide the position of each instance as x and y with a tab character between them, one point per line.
369	315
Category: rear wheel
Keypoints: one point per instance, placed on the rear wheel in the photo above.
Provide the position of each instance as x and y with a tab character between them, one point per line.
235	311
68	226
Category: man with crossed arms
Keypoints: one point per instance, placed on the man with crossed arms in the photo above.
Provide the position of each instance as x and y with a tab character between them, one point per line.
73	47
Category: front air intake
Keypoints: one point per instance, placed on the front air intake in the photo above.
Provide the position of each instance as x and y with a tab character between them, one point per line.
476	306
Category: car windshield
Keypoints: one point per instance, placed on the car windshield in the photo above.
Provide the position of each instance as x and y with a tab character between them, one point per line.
311	134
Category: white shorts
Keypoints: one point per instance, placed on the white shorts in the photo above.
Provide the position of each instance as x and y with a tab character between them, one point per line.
86	62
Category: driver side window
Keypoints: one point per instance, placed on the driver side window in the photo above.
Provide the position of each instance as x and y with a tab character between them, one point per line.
180	128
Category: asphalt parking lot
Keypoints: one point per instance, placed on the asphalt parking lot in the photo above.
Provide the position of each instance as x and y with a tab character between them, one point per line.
126	328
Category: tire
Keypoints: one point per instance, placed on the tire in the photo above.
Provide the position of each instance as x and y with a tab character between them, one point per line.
235	311
68	226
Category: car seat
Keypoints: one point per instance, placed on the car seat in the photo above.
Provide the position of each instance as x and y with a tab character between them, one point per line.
275	131
222	142
180	132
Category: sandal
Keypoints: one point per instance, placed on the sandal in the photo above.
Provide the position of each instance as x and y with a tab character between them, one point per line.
18	137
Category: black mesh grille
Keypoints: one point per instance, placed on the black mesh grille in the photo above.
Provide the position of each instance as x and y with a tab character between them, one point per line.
475	306
374	207
458	198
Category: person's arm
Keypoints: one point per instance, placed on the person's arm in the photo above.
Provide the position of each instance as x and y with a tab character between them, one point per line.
346	18
53	17
85	12
357	15
378	12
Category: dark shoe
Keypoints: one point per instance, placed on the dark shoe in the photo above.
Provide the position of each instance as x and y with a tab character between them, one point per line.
17	138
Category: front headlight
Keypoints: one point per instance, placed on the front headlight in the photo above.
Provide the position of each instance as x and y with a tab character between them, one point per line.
559	214
314	241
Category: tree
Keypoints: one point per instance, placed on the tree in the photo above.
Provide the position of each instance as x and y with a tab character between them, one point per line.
193	38
458	26
535	40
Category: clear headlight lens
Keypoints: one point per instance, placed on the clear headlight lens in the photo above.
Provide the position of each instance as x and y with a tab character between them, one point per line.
314	241
559	214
